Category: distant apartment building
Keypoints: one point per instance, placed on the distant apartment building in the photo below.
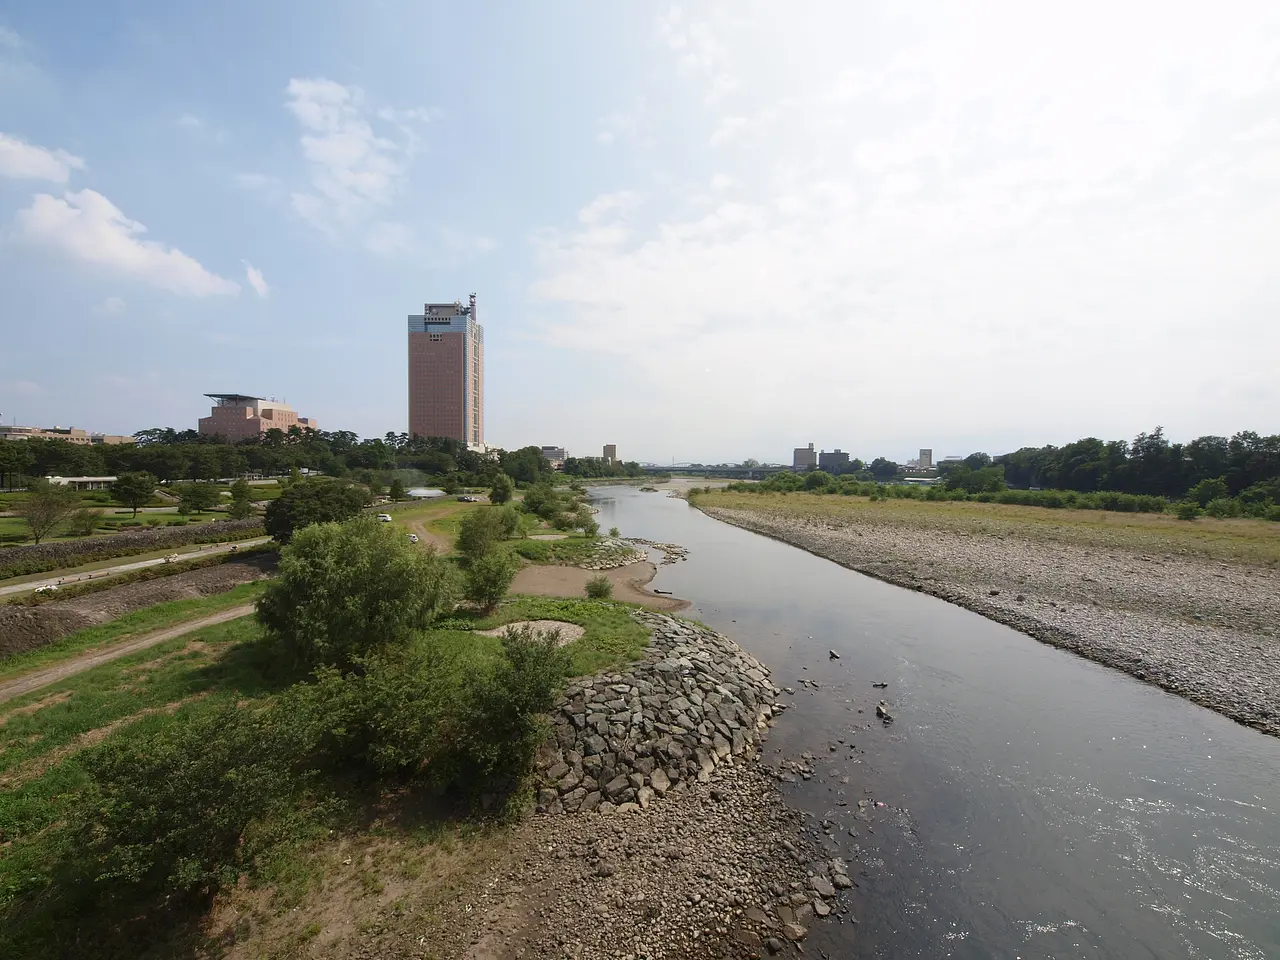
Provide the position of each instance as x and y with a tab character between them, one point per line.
926	459
446	373
836	461
554	453
237	416
610	453
69	434
804	458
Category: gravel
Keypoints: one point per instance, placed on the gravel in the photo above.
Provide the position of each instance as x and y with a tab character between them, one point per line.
1200	628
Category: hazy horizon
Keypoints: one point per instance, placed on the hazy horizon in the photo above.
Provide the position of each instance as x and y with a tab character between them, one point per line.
698	231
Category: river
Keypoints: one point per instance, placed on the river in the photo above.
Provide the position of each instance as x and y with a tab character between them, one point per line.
1035	804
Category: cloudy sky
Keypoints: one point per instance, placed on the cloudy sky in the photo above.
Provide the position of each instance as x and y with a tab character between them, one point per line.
699	231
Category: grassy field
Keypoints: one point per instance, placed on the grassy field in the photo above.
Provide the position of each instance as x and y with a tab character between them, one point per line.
130	625
1248	541
14	530
352	854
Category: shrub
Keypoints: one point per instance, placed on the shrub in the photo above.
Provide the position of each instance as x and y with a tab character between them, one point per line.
481	530
510	521
564	521
1207	490
181	522
83	522
346	590
155	521
1273	514
502	490
591	528
1223	507
489	577
173	809
613	532
1188	510
498	729
305	502
599	587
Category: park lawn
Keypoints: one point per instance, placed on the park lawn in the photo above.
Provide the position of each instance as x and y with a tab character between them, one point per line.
1247	541
126	627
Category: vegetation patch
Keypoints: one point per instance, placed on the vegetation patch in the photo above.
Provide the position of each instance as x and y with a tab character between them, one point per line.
40	558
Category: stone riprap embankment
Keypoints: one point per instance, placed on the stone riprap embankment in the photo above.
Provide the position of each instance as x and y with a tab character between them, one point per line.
694	703
661	834
1197	627
611	552
671	552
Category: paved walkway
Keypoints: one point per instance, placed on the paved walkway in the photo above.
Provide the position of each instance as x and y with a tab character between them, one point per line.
87	661
125	567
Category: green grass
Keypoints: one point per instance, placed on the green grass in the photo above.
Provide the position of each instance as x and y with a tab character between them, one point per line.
109	694
573	549
612	637
158	617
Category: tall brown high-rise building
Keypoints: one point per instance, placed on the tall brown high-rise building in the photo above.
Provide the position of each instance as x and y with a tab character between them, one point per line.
446	373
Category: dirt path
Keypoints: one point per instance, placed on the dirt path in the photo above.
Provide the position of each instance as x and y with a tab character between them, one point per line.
87	661
124	567
630	583
442	543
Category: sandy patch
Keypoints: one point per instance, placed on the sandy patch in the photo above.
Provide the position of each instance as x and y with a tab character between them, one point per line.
550	536
629	584
569	632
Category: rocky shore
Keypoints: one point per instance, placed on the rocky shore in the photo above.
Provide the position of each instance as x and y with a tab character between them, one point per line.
1203	629
658	833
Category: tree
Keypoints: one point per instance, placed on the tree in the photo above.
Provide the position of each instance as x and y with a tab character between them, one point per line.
883	469
526	464
1207	490
46	506
345	590
83	522
479	533
489	577
817	480
241	507
133	489
503	489
305	502
195	497
397	489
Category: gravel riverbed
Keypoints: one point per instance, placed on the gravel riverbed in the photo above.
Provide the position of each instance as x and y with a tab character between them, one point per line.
1200	628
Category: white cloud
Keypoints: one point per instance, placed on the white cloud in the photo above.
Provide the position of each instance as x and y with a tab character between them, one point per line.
111	306
941	224
256	280
88	227
9	38
190	122
355	171
25	161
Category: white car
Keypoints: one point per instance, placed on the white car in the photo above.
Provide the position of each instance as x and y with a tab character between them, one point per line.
384	517
413	538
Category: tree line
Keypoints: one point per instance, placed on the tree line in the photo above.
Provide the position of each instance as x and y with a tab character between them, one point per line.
170	455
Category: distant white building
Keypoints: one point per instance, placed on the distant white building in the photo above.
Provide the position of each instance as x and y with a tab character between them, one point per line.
926	459
83	483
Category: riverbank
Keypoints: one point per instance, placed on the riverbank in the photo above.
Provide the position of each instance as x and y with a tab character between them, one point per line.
1197	617
630	583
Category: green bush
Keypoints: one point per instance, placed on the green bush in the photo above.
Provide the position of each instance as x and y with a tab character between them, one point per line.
179	523
1223	507
1273	514
346	590
502	490
1188	510
509	517
84	522
174	809
613	532
155	521
481	530
599	587
489	577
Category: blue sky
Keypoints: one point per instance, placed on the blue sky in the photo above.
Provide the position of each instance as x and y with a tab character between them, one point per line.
701	231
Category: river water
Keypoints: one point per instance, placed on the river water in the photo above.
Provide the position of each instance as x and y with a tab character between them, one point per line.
1025	803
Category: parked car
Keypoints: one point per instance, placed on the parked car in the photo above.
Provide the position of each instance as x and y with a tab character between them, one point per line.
384	517
467	498
413	538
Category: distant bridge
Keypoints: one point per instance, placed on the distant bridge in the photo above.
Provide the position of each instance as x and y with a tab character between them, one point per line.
733	473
